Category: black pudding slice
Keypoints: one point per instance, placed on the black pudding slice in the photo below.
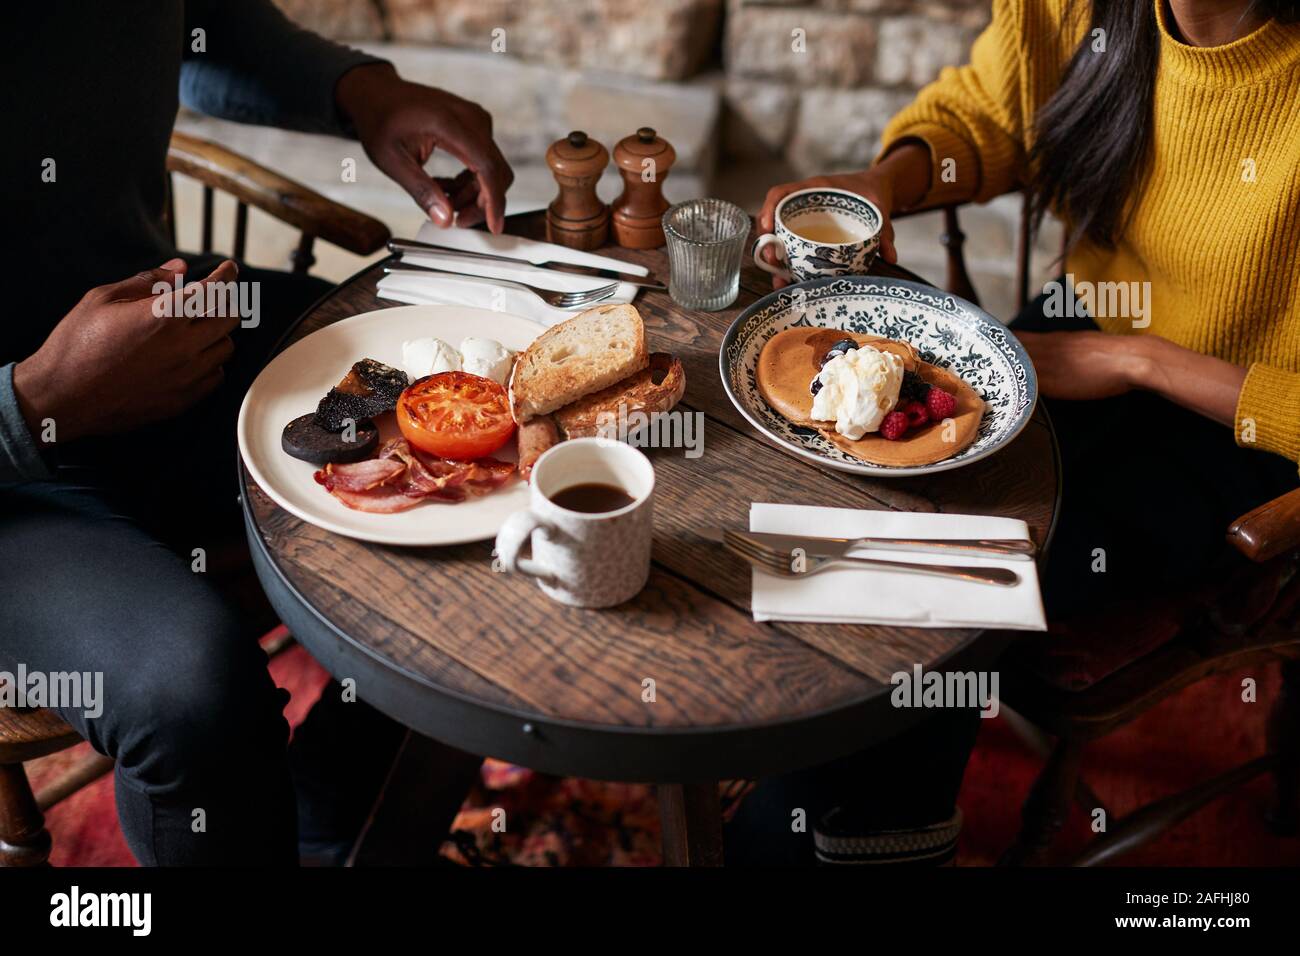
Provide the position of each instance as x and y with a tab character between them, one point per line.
303	438
369	389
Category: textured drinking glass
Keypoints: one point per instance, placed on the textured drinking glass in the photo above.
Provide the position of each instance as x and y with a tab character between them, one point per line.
706	239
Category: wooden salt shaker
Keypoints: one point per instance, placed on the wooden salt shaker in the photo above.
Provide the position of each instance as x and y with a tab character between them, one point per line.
577	218
643	159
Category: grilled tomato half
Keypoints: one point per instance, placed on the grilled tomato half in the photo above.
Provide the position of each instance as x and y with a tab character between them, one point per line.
455	415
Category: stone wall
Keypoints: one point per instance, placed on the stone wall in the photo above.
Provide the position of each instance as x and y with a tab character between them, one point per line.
809	82
815	81
751	93
655	39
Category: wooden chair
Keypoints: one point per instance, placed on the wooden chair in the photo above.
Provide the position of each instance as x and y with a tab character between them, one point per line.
1214	628
28	734
315	216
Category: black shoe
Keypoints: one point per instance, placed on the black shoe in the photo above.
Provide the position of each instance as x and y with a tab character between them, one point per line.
839	839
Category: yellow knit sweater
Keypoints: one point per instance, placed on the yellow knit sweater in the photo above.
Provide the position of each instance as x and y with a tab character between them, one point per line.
1216	230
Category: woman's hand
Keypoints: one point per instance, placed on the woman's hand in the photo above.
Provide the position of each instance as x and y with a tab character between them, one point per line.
400	124
1082	366
897	182
870	184
1091	365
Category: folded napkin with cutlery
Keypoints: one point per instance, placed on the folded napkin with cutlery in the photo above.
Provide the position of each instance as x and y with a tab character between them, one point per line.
849	595
476	287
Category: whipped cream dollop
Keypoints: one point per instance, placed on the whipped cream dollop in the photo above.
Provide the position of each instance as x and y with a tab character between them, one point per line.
858	389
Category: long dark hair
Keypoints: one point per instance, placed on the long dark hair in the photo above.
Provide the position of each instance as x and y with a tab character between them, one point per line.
1092	138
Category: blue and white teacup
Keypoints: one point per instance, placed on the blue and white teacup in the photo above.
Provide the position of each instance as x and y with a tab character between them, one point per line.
822	232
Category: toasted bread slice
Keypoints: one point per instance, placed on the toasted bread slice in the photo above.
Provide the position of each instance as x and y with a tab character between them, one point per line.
637	393
582	355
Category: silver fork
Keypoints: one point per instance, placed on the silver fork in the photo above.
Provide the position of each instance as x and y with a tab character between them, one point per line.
561	300
782	563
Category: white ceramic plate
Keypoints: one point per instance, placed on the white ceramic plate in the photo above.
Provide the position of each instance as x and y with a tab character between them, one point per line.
296	379
946	331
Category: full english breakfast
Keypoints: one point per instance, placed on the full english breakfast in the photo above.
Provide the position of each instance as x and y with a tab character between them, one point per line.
872	397
457	408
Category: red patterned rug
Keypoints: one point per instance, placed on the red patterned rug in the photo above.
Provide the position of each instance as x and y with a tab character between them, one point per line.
571	822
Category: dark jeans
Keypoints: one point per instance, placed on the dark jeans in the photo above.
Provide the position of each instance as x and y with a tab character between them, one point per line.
1151	484
96	573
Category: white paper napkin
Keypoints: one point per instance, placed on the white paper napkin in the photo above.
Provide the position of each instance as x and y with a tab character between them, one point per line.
483	292
871	596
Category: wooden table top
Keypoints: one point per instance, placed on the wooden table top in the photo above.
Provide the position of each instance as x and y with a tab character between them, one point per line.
486	662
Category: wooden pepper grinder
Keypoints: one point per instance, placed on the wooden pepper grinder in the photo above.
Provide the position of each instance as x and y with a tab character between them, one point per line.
643	159
577	218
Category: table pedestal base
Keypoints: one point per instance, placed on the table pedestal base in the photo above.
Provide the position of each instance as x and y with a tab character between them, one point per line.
421	797
691	816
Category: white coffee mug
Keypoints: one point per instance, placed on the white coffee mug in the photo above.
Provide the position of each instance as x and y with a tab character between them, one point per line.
586	559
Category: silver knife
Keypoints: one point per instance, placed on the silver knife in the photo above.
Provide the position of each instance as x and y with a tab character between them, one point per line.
838	547
400	246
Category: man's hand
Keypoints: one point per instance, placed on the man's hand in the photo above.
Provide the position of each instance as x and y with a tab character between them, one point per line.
400	124
123	358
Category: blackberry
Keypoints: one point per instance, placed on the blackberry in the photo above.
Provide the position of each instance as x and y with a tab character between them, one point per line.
914	388
839	348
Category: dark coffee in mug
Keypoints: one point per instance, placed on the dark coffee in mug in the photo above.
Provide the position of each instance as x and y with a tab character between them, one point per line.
592	498
590	521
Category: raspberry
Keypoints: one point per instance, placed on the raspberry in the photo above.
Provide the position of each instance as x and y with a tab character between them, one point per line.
894	426
917	414
940	404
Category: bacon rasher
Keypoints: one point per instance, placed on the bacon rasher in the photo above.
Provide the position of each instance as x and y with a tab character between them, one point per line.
400	477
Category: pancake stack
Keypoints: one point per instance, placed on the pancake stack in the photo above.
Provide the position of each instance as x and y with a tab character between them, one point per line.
792	358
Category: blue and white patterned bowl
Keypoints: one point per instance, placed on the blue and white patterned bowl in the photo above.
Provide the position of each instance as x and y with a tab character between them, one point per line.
945	330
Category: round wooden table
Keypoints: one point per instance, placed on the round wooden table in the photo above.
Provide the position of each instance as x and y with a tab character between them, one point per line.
486	663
